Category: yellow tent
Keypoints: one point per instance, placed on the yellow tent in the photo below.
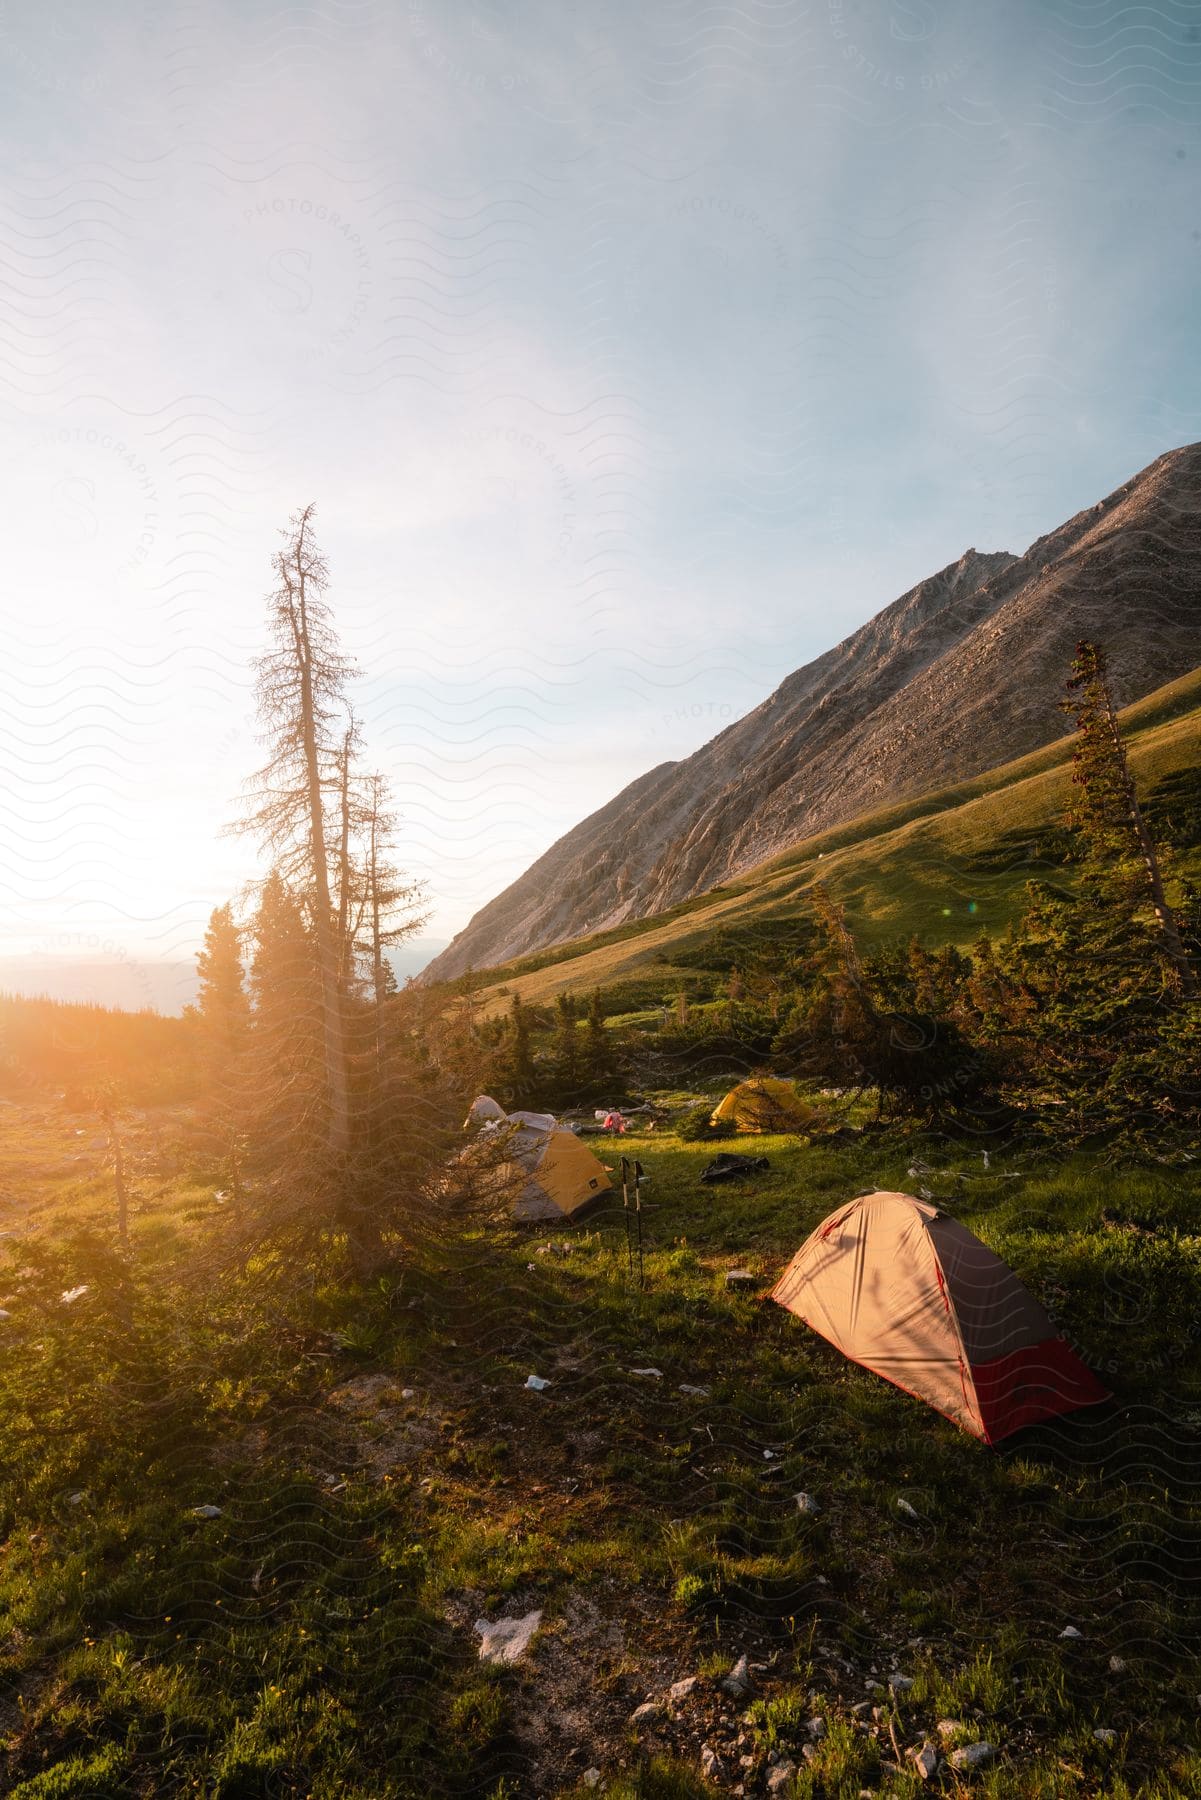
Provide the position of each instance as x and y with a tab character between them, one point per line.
541	1173
564	1178
764	1103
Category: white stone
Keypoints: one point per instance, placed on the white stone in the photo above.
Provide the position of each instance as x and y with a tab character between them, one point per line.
1117	1665
806	1504
1104	1735
972	1756
906	1511
680	1690
536	1383
900	1684
651	1374
591	1778
1069	1631
206	1512
646	1714
699	1393
505	1640
738	1681
925	1760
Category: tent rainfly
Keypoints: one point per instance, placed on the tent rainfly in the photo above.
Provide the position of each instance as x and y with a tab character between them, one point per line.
483	1110
764	1103
910	1294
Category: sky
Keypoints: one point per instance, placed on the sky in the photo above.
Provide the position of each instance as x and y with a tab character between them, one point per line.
632	355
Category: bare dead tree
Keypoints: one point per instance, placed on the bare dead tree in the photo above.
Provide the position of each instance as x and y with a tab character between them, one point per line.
328	833
391	901
350	815
301	691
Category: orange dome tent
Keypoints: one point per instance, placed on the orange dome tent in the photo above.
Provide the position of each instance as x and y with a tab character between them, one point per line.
910	1294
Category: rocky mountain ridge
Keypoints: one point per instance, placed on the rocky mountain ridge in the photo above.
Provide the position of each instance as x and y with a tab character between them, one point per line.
961	673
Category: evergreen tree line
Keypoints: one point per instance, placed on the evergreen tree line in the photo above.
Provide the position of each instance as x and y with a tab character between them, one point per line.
1082	1025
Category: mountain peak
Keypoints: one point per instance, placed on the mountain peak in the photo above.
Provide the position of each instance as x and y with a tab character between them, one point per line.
960	673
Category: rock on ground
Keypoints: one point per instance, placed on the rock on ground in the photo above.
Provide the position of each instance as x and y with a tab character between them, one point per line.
738	1681
506	1640
925	1760
972	1756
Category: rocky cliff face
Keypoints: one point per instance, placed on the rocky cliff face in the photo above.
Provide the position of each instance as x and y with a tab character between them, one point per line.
961	673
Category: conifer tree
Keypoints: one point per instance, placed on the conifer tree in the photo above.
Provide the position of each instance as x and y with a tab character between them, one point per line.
567	1054
1093	999
328	833
223	1015
286	1055
600	1064
386	906
520	1055
302	684
1123	861
222	1003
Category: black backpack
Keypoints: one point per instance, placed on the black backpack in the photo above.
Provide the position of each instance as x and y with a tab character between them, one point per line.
727	1167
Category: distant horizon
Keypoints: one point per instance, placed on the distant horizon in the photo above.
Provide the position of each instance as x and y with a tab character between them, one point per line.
88	979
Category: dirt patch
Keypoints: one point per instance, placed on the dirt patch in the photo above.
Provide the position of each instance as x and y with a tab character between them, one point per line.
595	1659
387	1426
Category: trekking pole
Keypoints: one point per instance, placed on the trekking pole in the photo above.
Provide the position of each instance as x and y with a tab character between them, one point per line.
638	1215
625	1207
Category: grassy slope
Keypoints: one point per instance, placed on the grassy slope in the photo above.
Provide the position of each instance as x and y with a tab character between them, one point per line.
314	1639
906	869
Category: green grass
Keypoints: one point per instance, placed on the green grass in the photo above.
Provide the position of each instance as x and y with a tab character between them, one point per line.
315	1638
942	867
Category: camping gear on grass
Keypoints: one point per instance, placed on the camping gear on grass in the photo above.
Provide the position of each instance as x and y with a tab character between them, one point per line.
909	1293
763	1103
727	1167
631	1179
